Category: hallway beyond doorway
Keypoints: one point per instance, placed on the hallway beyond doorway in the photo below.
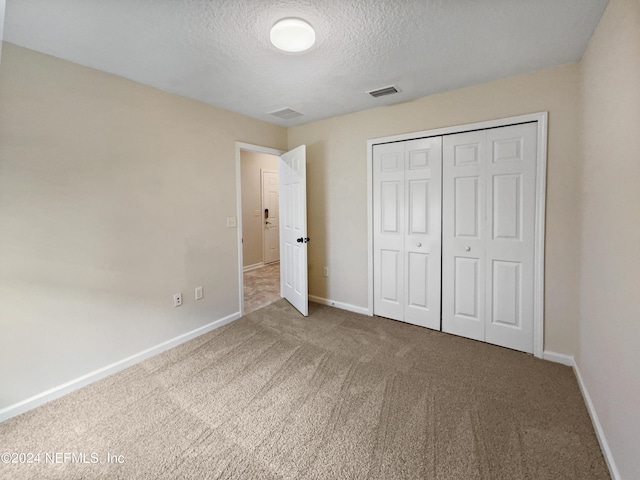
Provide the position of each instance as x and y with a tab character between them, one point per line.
261	287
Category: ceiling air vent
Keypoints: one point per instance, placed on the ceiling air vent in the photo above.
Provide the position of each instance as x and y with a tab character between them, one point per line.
381	92
286	114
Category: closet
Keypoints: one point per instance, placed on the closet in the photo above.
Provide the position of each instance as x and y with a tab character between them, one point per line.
454	233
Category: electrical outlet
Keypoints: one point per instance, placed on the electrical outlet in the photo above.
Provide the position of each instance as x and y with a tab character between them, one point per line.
325	272
177	300
199	293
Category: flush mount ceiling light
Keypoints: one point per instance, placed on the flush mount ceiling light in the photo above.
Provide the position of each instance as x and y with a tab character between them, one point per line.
292	35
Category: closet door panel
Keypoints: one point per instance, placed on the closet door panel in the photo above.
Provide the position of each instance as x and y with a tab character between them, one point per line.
463	234
466	284
423	160
389	230
510	180
466	207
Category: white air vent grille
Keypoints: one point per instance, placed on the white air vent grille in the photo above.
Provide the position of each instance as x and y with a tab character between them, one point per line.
286	114
381	92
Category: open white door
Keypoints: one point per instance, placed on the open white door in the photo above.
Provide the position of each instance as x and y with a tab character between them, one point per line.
292	172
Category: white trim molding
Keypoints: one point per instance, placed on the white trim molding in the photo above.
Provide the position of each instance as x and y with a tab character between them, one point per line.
340	305
255	266
597	426
75	384
541	118
554	357
602	440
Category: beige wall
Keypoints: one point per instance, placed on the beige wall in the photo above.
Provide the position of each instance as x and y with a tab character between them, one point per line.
609	357
252	164
337	187
113	197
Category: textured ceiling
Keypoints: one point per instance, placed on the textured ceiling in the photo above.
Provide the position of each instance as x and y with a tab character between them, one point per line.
218	51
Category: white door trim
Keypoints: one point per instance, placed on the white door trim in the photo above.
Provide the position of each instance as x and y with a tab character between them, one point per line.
251	148
541	188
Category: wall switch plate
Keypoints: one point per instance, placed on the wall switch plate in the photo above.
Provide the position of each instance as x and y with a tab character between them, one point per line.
199	293
257	212
177	300
325	271
231	222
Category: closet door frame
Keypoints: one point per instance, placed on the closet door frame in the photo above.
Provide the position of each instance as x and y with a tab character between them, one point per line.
540	200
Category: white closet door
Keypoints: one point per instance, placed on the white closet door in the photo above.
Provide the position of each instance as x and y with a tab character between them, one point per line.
407	231
423	178
388	225
488	235
511	191
463	234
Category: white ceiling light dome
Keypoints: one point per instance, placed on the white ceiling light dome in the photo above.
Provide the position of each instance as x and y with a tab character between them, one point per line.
292	35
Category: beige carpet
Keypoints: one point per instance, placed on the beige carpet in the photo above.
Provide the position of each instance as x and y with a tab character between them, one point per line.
261	287
332	396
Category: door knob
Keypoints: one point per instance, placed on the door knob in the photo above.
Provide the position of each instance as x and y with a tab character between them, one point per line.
303	240
418	244
467	249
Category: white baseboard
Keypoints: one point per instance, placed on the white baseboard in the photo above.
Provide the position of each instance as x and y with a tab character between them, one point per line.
343	306
608	456
606	451
253	267
554	357
60	390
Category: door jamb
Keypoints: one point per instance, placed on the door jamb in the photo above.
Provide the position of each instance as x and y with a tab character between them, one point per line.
541	187
251	148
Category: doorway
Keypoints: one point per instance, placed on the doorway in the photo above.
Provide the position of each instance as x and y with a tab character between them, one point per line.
258	229
293	239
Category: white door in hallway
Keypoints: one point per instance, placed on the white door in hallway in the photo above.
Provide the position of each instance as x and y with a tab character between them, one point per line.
270	217
489	183
292	172
407	230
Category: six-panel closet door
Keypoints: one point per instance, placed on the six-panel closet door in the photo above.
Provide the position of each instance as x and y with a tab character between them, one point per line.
407	196
488	235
